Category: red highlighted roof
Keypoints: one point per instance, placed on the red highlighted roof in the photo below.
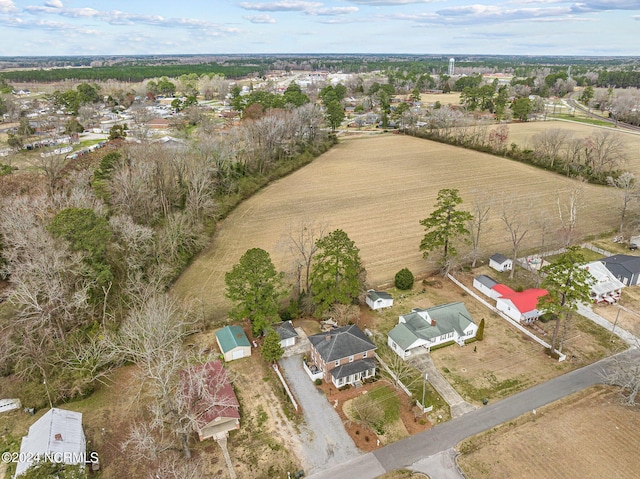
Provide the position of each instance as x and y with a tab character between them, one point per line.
526	300
503	289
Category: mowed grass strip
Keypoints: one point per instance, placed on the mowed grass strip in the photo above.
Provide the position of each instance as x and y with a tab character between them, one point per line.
377	189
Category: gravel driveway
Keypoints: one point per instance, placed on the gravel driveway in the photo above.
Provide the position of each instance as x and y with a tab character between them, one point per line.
325	443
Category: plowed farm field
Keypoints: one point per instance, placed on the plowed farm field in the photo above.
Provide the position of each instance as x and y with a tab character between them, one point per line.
377	189
587	435
522	133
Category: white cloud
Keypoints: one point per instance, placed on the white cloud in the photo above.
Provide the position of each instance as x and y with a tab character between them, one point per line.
264	18
7	6
308	8
376	3
54	4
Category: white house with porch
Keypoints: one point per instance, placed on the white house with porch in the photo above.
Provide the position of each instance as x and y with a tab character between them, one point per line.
422	329
606	288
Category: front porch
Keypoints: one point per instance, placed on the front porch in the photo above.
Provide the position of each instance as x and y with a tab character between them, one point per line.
313	371
352	373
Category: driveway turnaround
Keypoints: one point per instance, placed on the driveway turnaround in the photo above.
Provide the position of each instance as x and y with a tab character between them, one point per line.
442	437
324	440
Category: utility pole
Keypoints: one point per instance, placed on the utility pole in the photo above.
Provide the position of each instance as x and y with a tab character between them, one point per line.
614	325
424	388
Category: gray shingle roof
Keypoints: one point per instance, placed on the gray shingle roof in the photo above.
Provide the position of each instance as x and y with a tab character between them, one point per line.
499	258
625	261
341	343
285	330
375	295
355	367
487	281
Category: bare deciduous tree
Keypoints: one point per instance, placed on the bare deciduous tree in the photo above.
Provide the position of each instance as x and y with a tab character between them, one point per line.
548	144
625	185
344	314
605	152
568	214
624	372
516	222
302	240
480	210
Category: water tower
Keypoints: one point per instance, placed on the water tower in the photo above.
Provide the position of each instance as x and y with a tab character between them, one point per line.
452	66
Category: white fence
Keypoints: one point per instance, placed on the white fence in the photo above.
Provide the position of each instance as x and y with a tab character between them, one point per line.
515	324
286	386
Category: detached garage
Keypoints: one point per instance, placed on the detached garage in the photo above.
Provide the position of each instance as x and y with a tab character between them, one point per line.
233	343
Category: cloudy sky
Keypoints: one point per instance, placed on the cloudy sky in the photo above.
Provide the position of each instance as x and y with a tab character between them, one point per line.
110	27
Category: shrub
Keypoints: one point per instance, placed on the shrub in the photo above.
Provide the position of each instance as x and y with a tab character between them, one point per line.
318	382
404	279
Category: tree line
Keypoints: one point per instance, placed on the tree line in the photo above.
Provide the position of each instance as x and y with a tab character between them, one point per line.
89	248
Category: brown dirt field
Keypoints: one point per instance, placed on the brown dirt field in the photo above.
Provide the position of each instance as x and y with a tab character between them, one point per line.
378	189
587	435
521	134
452	98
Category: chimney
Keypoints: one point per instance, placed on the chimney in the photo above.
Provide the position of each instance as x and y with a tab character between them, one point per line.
433	322
58	437
327	337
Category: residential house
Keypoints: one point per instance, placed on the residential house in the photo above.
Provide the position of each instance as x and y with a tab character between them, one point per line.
422	329
58	434
378	299
625	268
233	343
344	355
519	306
158	124
606	287
218	410
287	333
500	262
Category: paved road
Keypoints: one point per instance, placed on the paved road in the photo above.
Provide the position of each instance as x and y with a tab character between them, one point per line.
445	436
325	442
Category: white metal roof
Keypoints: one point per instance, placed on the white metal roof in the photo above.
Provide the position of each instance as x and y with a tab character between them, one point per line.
58	432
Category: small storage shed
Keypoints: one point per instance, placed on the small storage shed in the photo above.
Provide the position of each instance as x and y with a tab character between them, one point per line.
500	262
287	333
378	299
233	343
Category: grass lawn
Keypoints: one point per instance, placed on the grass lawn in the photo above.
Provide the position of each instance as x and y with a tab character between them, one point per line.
387	399
580	119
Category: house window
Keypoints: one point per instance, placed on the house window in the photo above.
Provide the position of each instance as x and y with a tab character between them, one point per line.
338	362
351	358
364	355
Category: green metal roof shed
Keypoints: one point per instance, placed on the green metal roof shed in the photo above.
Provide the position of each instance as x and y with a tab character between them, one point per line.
233	343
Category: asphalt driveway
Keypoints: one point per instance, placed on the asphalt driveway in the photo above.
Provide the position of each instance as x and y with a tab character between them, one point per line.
324	440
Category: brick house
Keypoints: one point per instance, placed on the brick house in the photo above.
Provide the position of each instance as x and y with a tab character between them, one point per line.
345	355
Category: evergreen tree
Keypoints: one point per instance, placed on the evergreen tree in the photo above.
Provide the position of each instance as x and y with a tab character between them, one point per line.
568	285
444	225
255	286
337	274
272	350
